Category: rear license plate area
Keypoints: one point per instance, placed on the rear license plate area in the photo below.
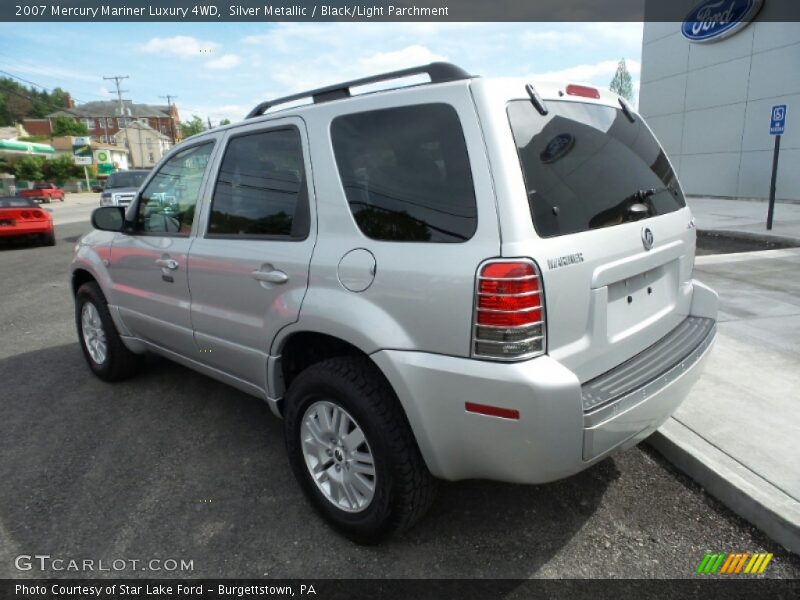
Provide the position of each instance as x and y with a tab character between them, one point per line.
7	222
635	301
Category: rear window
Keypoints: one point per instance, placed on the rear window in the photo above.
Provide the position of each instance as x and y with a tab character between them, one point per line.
406	173
586	165
126	179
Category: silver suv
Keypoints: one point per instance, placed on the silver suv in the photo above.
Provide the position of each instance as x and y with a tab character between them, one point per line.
467	278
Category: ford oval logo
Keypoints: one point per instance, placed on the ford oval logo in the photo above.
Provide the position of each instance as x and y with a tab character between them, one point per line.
557	148
715	20
647	238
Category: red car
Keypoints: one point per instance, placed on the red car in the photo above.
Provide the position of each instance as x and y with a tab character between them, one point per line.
22	218
44	192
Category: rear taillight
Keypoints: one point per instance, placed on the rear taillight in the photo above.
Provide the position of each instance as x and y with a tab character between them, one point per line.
582	90
37	214
509	311
25	214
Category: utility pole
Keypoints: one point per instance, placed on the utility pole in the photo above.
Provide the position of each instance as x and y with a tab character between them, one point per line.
210	126
117	79
171	117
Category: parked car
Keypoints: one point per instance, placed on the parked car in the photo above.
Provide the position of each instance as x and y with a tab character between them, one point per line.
22	218
472	278
121	187
44	192
99	186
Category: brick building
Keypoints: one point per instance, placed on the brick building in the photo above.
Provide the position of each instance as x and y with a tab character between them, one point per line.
103	120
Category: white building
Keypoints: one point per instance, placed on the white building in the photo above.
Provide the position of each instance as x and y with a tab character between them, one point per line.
710	105
146	145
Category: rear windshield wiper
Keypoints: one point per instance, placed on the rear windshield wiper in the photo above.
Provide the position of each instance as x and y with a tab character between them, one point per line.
631	208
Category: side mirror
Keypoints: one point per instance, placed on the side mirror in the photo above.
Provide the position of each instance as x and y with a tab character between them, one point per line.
108	218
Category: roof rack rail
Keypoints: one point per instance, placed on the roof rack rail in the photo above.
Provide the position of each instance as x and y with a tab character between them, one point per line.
439	72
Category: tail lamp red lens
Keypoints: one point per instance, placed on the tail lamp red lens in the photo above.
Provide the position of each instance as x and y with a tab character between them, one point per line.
583	90
509	311
492	411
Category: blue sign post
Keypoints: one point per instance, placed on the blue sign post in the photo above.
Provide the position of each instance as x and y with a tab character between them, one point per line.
777	127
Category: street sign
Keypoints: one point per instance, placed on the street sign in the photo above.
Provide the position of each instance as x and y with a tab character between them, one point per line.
82	150
777	125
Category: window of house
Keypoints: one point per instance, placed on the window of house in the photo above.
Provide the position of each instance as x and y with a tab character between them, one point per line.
261	189
406	173
89	123
167	204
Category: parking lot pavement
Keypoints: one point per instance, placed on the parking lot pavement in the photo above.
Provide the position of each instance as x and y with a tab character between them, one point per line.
739	426
174	465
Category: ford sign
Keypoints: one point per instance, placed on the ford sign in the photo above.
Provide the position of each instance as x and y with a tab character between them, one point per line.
715	20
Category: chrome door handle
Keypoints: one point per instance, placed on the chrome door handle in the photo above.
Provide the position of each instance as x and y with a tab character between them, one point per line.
167	263
275	276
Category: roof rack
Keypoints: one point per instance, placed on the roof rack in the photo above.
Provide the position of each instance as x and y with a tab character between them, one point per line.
439	72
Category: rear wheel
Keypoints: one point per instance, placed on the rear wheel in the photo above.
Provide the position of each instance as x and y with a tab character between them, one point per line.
106	355
49	239
352	450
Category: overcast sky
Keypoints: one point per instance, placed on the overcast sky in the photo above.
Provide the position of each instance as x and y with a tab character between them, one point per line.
223	70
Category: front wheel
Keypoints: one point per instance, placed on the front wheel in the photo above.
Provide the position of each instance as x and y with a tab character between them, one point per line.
352	450
106	355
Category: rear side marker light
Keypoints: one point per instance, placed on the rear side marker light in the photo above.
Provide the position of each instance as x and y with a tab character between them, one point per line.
492	411
509	321
583	90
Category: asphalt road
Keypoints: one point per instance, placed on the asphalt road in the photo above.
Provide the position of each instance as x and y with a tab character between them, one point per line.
174	465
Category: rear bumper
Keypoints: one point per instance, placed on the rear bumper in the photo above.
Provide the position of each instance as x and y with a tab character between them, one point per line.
554	436
26	228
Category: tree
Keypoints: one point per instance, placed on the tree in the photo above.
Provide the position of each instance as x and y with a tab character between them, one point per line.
17	107
224	122
622	83
193	126
68	126
61	168
30	168
18	101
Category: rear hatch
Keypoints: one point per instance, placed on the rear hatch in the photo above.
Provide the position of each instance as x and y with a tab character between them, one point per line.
611	232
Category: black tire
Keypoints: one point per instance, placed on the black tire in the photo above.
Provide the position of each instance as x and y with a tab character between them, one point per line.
119	362
49	239
404	488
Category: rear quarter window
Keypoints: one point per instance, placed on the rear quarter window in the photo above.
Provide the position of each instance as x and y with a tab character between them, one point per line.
406	173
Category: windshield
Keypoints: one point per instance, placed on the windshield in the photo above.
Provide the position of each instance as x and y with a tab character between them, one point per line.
15	202
42	186
125	179
587	166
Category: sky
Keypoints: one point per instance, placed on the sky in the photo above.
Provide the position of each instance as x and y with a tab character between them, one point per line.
222	70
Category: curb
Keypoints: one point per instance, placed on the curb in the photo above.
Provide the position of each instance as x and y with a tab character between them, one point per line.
779	241
740	489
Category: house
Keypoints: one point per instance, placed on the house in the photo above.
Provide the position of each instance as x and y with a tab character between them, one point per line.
146	144
104	121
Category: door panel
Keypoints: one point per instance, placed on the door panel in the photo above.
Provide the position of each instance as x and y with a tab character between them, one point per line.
248	270
149	264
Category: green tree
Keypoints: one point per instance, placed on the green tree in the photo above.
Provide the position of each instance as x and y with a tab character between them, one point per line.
622	83
18	101
224	122
30	168
61	168
193	126
68	126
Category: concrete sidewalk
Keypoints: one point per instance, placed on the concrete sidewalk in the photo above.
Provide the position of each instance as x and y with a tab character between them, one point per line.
737	433
746	217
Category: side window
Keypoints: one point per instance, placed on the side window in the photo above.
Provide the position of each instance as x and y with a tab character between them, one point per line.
167	204
261	189
406	173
